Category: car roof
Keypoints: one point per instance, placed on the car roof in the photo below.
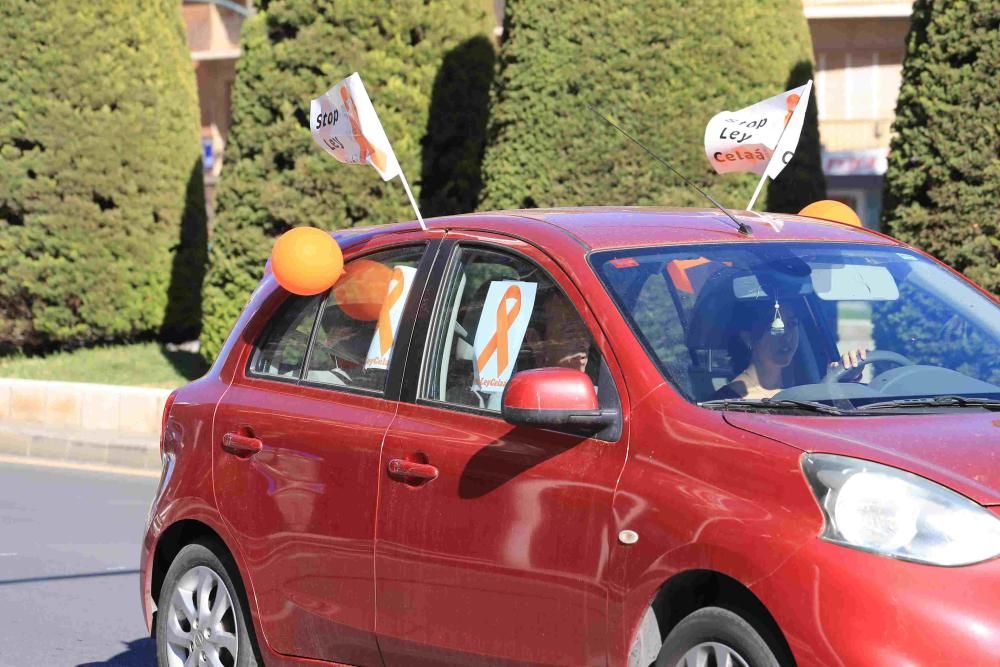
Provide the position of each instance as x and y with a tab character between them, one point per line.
600	228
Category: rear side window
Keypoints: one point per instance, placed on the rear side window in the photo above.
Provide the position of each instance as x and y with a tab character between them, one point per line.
345	337
281	350
360	319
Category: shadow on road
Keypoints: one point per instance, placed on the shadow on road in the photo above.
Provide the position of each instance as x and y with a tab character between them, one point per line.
59	577
139	653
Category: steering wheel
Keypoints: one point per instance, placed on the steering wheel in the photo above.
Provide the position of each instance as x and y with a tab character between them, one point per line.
840	374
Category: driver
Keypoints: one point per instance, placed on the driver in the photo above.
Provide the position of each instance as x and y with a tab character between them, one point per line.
772	336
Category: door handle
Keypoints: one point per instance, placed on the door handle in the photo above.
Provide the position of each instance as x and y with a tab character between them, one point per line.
411	471
241	445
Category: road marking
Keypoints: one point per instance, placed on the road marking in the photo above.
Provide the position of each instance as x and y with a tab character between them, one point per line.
88	467
9	553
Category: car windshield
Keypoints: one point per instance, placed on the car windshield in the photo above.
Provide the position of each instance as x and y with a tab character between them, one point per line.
789	324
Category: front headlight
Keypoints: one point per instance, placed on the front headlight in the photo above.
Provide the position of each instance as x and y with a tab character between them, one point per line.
894	513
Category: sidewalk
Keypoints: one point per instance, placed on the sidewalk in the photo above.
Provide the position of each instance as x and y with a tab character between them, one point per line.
81	423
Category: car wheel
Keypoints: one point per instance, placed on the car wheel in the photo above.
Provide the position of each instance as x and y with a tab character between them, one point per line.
201	619
715	637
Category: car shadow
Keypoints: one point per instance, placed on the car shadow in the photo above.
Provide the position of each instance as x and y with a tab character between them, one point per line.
63	577
502	460
138	653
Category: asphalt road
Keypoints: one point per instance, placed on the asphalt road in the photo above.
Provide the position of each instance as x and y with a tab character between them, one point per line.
69	559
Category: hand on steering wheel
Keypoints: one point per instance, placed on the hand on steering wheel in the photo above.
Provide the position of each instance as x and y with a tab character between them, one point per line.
848	369
850	366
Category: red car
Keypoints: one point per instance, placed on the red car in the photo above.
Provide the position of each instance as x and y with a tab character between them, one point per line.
591	437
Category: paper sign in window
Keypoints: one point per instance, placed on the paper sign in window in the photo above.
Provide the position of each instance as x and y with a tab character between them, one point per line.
500	333
389	316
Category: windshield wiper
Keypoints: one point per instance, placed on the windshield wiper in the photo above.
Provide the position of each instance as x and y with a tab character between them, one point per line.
935	402
769	404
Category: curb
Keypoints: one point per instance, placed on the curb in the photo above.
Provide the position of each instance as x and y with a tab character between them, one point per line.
104	448
82	406
81	423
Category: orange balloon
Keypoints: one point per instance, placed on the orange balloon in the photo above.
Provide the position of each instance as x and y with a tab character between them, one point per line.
306	261
835	211
362	290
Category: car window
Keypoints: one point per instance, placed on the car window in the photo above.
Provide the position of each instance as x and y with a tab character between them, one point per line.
281	350
500	314
776	320
360	318
354	337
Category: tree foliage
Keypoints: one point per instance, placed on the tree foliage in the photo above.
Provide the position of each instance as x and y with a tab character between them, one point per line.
943	184
411	56
927	332
661	68
102	217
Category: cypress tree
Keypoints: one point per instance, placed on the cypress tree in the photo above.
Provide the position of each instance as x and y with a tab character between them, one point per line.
801	183
102	220
942	187
276	178
661	69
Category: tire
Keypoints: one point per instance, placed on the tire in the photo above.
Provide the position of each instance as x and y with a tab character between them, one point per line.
192	592
716	631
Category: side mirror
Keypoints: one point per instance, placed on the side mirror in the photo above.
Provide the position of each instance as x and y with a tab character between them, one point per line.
557	398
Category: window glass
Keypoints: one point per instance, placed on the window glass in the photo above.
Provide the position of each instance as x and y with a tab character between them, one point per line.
766	320
281	351
502	315
360	319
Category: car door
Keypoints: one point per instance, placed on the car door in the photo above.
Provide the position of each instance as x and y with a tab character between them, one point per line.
493	541
296	467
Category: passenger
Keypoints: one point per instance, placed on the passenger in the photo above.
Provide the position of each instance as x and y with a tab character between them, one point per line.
772	337
565	341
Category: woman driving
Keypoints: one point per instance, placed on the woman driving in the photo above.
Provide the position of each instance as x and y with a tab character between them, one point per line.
771	333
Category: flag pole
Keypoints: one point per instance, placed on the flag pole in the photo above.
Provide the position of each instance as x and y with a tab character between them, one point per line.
763	176
757	191
777	147
413	202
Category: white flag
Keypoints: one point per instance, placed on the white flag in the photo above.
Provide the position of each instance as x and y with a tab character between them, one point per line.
746	140
789	140
344	123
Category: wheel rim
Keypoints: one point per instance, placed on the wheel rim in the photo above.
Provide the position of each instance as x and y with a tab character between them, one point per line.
201	622
711	654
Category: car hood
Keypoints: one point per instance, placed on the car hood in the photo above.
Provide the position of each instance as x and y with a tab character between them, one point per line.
959	449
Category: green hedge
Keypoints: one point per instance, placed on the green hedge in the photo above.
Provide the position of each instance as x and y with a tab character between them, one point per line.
413	56
102	220
942	188
661	68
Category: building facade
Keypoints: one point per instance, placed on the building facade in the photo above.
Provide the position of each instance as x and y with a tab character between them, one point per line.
858	47
213	32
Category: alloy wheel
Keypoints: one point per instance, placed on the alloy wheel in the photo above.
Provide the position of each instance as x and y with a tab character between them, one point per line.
201	622
711	654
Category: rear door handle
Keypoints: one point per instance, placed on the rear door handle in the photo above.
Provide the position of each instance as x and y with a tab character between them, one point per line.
411	471
241	445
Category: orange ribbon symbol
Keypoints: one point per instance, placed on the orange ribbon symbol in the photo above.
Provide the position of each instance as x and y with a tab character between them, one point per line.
791	102
377	156
385	332
505	319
